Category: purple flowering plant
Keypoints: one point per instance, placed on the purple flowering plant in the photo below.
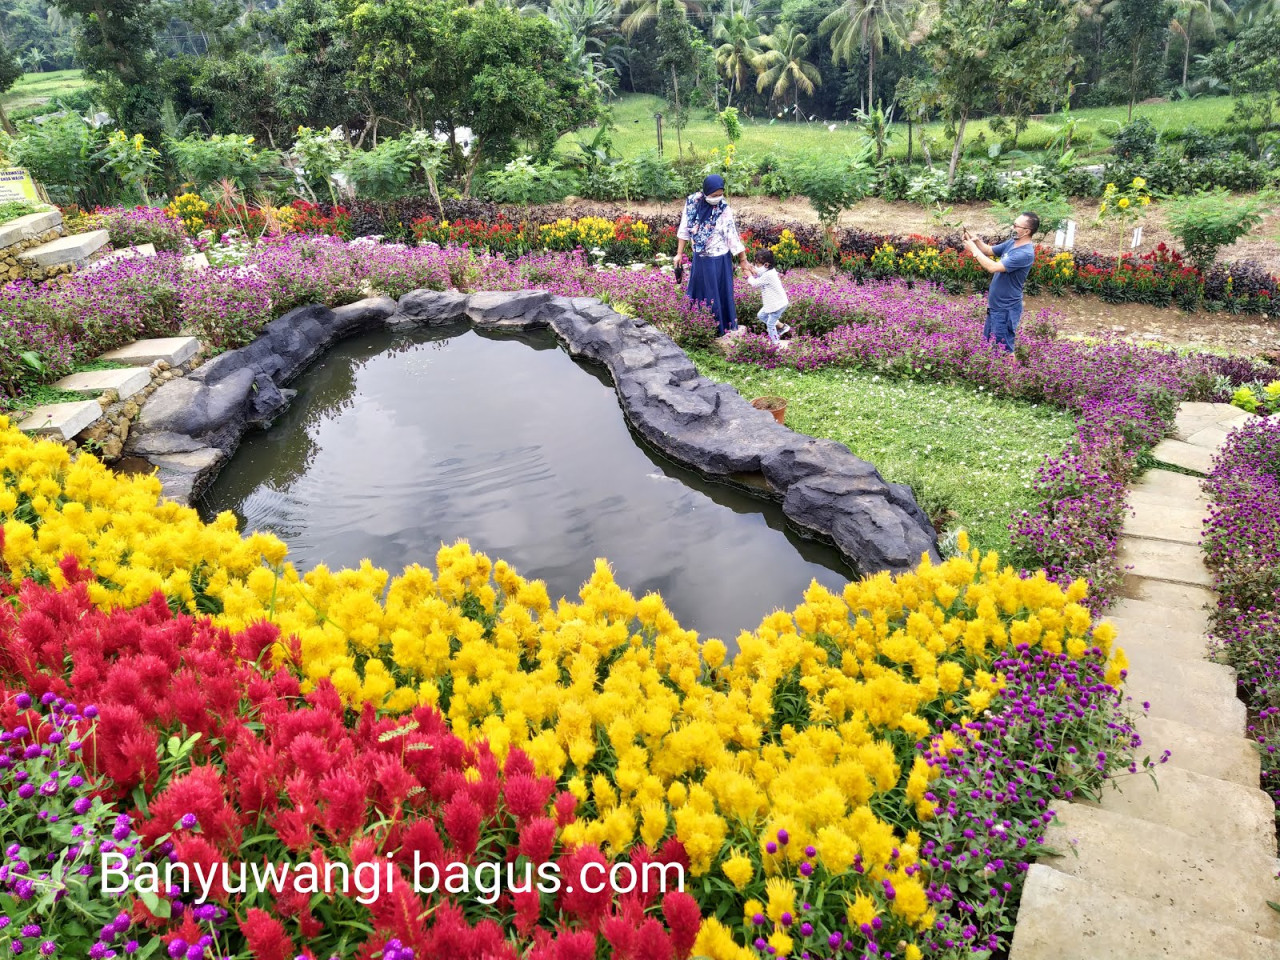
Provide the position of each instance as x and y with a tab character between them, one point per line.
1241	541
55	833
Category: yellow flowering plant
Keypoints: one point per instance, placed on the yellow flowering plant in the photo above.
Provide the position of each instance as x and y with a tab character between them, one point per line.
190	208
814	772
1124	208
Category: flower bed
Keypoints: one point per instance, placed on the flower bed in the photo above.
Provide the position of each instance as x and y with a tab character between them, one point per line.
870	773
1160	277
1242	547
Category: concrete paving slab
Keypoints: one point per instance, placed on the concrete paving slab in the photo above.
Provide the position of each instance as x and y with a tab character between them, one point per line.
126	253
196	261
1065	918
1195	749
1163	560
61	420
1167	486
1215	411
1164	521
29	227
1230	813
1169	639
126	382
1210	438
1210	709
143	353
76	248
1150	660
1209	882
1177	599
1239	421
1182	454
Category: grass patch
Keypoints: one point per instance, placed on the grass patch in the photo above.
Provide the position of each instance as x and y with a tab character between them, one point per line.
635	133
36	88
970	457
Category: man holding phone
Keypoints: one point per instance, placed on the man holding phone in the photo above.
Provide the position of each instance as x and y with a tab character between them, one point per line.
1008	263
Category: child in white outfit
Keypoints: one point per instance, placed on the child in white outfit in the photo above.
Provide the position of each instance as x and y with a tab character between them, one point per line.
772	293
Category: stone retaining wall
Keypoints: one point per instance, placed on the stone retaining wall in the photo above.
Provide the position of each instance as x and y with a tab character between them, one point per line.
191	426
12	268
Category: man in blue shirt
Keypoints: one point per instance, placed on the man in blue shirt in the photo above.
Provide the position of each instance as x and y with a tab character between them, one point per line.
1008	263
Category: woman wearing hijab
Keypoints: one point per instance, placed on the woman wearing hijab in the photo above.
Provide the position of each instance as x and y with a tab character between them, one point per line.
709	228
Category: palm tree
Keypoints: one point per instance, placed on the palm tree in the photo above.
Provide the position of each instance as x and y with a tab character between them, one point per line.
783	67
646	11
858	24
739	49
592	20
1185	16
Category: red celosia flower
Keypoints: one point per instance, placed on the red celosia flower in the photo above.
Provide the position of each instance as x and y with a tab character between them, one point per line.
575	900
537	840
580	945
684	919
528	909
652	942
566	808
266	936
527	796
344	811
462	823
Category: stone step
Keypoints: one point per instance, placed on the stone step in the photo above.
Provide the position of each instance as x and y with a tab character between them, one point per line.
29	227
1167	486
1231	813
1211	709
126	253
1182	454
1163	560
1172	640
143	353
1211	437
1239	420
61	420
1156	520
1065	918
196	261
1194	409
1208	882
75	249
1177	602
125	382
1151	661
1195	749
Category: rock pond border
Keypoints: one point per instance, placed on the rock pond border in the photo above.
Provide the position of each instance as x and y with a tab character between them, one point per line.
190	427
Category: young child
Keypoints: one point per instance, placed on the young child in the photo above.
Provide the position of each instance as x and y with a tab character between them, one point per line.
773	294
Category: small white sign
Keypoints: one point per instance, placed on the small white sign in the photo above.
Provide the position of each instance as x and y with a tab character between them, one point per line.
1059	238
1137	238
1071	234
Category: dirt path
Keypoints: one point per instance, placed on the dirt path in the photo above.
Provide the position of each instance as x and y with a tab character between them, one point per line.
1262	245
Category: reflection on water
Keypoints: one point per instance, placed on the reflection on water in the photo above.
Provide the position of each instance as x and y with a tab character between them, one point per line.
398	442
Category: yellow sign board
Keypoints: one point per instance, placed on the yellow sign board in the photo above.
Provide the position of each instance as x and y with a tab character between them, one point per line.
16	184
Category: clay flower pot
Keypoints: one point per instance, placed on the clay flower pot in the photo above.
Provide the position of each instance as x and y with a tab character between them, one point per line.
775	405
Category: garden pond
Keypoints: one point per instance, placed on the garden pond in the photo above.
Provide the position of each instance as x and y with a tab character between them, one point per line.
399	441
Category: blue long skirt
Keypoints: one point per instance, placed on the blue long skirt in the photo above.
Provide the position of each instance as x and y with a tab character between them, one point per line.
711	281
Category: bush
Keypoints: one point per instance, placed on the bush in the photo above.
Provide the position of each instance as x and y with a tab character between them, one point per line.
206	162
523	182
1136	141
1211	220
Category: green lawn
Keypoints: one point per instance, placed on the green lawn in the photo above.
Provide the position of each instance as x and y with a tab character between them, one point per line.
635	129
970	457
35	88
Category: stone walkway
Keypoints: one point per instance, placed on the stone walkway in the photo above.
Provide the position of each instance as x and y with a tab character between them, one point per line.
1180	869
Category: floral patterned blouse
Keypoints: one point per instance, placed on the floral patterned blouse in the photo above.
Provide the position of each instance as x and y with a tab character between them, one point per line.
712	236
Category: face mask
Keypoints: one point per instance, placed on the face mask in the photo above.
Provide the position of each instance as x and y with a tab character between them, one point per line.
714	200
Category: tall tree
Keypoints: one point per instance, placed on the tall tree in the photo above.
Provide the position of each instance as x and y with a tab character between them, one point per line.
1135	30
116	47
739	50
10	73
677	57
784	67
984	56
1184	23
858	25
645	12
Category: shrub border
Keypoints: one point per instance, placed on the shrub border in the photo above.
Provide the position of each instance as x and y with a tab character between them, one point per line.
191	425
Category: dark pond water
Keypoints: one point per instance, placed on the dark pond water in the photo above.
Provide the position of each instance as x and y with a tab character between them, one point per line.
399	442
